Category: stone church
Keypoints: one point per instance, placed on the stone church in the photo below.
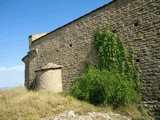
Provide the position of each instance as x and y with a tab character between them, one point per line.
55	58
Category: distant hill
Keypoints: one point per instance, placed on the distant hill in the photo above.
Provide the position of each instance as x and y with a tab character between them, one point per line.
9	88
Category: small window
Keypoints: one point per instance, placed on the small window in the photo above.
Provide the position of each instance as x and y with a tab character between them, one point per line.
70	45
137	60
114	31
136	23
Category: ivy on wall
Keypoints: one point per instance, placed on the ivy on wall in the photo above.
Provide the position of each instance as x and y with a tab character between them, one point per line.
113	55
115	81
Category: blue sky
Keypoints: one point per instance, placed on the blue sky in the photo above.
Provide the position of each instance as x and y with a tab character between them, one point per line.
21	18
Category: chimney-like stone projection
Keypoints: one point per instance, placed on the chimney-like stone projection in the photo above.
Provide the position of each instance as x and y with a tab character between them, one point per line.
49	78
35	36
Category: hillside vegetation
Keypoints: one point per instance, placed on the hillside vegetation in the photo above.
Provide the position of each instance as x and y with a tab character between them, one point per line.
20	104
30	105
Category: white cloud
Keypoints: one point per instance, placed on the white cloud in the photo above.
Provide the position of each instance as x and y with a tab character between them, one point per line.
13	68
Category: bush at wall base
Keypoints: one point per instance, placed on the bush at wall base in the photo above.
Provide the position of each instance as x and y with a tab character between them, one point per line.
104	87
116	80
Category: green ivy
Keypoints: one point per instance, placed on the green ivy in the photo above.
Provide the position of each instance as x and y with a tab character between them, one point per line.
116	81
113	55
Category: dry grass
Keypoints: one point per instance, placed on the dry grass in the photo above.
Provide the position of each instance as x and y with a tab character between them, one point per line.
29	105
20	104
137	112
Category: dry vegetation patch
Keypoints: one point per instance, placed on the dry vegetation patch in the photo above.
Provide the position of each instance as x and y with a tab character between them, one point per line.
20	104
24	105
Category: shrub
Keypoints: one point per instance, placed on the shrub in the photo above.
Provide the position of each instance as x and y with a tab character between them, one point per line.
104	87
116	81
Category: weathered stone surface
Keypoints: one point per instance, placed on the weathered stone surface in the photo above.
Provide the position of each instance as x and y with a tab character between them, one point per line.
71	115
49	66
34	37
137	21
49	78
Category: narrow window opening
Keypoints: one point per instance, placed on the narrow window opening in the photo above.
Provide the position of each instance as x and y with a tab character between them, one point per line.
137	60
114	31
70	45
136	23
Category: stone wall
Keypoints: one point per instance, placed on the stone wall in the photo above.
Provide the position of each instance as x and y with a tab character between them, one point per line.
137	21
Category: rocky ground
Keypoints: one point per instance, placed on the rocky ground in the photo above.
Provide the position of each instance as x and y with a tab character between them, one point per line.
71	115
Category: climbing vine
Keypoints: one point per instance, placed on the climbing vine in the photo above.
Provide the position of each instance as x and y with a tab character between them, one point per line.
115	81
114	57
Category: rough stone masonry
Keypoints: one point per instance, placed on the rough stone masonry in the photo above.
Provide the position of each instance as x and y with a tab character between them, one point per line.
137	21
